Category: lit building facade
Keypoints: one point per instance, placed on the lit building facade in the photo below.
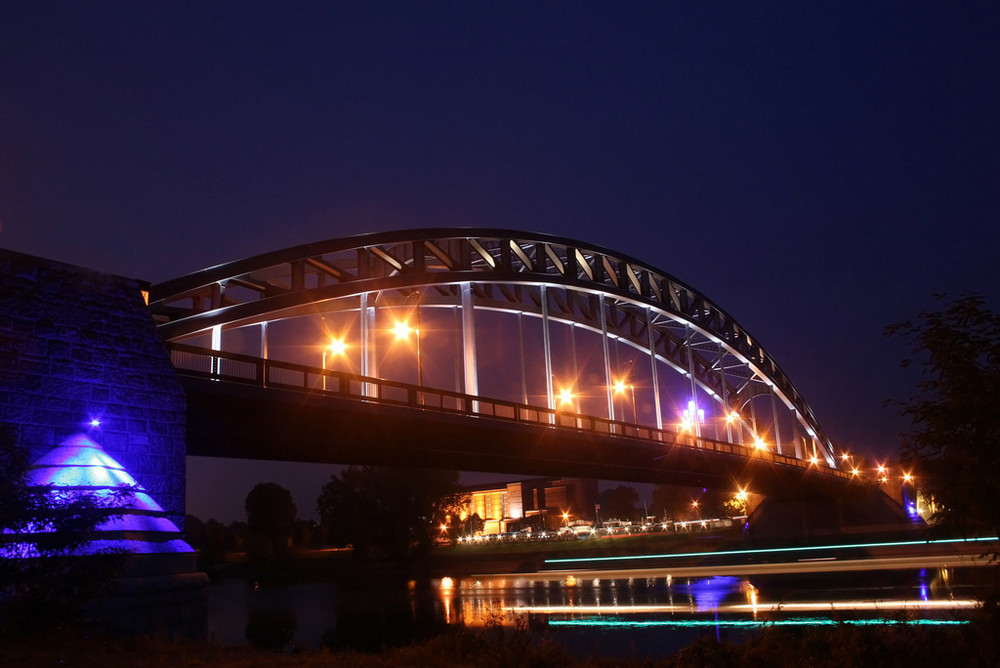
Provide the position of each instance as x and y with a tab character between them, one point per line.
535	504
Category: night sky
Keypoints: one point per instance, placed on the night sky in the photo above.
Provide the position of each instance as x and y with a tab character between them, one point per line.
819	170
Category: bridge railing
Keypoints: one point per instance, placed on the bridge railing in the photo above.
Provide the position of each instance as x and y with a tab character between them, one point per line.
237	368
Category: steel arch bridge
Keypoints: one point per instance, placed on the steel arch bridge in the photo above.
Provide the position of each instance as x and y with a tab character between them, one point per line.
537	320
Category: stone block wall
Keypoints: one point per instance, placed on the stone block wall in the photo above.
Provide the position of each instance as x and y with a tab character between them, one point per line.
76	345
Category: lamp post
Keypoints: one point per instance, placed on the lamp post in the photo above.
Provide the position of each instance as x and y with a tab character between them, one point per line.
402	331
620	387
336	348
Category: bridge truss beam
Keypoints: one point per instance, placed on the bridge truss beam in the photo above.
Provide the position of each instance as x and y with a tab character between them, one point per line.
557	280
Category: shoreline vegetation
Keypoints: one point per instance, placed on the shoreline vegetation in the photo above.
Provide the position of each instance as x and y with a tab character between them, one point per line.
885	644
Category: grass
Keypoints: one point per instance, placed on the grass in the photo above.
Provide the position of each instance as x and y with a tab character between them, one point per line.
890	644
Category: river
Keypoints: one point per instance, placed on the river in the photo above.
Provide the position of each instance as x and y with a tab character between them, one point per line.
648	615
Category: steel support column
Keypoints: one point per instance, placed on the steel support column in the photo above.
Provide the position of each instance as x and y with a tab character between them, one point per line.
608	379
652	367
775	425
469	341
693	405
547	347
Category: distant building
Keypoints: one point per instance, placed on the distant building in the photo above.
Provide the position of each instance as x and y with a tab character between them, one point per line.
537	503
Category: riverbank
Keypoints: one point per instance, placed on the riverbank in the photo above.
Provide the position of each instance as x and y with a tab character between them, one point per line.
886	644
465	560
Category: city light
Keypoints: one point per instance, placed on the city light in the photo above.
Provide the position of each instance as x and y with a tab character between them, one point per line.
758	443
337	347
95	422
693	413
814	460
907	477
619	387
565	396
732	417
402	330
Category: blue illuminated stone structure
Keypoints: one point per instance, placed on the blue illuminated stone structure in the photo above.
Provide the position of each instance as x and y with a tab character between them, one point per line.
87	383
78	346
80	467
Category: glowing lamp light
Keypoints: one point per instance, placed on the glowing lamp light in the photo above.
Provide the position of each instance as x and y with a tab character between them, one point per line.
814	460
855	472
94	422
732	417
694	413
402	330
758	443
844	456
337	346
80	468
907	477
619	387
565	397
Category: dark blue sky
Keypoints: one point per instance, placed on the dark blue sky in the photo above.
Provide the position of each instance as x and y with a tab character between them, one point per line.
818	169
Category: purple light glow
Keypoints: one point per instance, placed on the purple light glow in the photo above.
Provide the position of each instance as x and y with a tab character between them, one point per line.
80	467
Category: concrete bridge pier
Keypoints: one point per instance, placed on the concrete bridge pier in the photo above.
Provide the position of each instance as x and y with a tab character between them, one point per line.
80	355
814	516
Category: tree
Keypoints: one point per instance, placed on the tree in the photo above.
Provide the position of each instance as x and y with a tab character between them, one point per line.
389	510
45	577
673	502
953	443
271	516
619	503
473	525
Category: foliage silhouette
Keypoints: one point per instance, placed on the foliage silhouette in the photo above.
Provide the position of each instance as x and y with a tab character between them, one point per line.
955	423
271	514
394	512
45	578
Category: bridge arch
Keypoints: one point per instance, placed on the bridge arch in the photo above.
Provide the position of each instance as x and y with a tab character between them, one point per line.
646	333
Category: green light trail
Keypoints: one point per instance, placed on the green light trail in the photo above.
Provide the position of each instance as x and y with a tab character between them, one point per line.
744	623
773	550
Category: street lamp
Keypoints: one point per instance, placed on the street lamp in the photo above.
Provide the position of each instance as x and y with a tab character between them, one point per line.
620	388
335	348
402	331
566	397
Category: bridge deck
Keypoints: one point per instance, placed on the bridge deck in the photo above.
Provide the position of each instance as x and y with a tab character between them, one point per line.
248	407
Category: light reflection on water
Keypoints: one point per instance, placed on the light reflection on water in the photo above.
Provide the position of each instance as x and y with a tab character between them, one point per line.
476	601
621	607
